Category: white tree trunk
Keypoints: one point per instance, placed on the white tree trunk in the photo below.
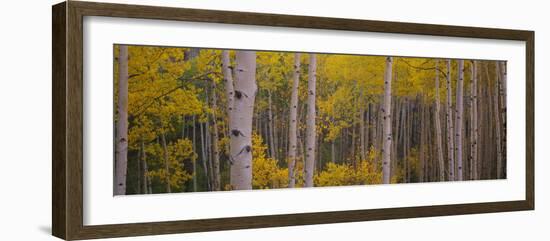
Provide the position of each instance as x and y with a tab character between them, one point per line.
450	128
438	125
121	165
272	145
459	117
386	111
310	121
241	121
474	128
227	72
216	184
292	135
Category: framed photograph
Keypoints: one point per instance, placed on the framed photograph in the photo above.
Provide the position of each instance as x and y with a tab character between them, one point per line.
171	120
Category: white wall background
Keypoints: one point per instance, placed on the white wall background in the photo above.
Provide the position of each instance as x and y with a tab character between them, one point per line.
25	120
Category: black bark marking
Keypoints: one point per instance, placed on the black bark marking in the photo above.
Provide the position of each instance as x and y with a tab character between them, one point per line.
238	94
237	133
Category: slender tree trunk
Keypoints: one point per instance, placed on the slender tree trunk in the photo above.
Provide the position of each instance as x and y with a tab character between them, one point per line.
450	127
144	168
438	126
459	117
121	166
241	119
487	127
208	136
352	146
139	173
395	133
216	185
310	123
379	130
166	164
204	156
194	161
227	72
474	128
480	123
402	127
275	134
362	131
422	147
367	131
147	180
333	151
292	134
272	148
406	141
372	126
386	110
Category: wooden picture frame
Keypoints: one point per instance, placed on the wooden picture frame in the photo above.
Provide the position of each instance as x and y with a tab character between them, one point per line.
67	152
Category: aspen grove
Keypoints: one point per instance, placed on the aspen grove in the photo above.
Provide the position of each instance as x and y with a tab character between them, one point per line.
196	119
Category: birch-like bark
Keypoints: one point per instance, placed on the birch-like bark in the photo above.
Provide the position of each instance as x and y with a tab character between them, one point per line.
438	125
272	145
208	137
450	127
216	186
292	134
474	129
422	147
459	117
241	121
310	121
121	166
227	72
204	156
386	111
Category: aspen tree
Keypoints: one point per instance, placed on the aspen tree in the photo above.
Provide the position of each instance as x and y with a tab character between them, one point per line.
438	125
474	128
450	129
292	131
216	184
241	121
310	121
459	118
121	166
386	111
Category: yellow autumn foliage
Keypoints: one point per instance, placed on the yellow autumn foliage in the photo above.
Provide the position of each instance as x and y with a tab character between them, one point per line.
177	153
365	172
266	174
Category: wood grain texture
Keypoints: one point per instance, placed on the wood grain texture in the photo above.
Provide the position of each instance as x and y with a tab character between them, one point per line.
67	136
58	121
